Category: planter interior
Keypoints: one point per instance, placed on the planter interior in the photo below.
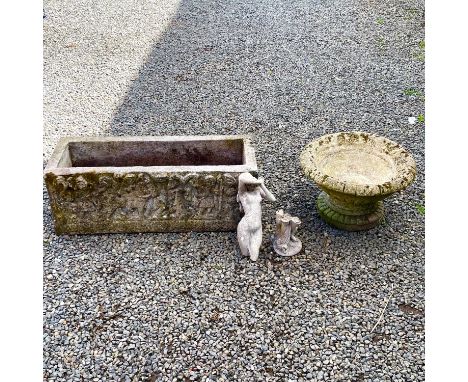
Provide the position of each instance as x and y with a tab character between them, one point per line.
130	153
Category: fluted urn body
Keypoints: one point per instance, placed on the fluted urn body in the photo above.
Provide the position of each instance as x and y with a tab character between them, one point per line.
356	171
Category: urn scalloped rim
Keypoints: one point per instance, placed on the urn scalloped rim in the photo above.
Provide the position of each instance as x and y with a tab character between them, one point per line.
356	170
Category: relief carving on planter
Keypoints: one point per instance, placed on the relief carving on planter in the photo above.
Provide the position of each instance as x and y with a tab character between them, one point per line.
142	196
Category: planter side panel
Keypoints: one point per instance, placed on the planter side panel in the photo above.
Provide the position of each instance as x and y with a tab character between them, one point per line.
92	202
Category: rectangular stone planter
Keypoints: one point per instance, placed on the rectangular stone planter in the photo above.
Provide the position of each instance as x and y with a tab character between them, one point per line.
147	184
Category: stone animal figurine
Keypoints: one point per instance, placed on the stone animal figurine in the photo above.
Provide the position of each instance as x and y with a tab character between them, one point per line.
285	243
250	194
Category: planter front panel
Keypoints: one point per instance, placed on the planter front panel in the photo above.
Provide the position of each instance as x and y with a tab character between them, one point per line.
143	202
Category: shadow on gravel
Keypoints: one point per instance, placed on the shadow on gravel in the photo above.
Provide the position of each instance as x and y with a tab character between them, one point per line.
223	67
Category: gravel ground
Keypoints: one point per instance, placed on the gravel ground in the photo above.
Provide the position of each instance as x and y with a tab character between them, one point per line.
180	307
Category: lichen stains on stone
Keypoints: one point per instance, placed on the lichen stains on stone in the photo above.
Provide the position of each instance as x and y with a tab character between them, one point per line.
356	170
403	164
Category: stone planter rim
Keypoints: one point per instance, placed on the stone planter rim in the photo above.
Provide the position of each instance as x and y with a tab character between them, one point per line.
403	160
250	163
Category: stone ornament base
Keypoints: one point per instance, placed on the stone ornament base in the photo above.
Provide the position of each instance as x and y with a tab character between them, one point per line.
285	241
348	220
293	248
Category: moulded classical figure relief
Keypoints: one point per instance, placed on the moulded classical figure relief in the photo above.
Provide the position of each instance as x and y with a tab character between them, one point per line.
140	196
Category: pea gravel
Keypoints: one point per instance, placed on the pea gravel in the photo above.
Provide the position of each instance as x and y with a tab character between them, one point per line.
187	307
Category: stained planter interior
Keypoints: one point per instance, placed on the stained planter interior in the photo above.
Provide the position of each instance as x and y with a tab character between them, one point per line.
153	153
357	166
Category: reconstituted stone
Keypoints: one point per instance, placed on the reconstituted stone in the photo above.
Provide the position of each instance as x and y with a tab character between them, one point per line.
147	184
356	171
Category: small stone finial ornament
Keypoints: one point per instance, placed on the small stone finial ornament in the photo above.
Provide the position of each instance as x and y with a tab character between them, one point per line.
250	194
285	242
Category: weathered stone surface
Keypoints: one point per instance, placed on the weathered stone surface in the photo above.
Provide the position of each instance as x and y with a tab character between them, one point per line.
285	242
250	194
147	184
356	171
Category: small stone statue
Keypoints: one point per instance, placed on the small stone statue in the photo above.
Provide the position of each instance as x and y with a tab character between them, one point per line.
285	243
250	193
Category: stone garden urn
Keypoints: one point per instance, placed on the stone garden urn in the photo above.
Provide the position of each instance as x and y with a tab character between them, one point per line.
356	171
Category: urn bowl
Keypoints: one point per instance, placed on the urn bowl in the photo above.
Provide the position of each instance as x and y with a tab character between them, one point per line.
356	171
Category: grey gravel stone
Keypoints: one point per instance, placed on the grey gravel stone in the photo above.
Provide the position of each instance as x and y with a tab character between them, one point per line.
171	307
